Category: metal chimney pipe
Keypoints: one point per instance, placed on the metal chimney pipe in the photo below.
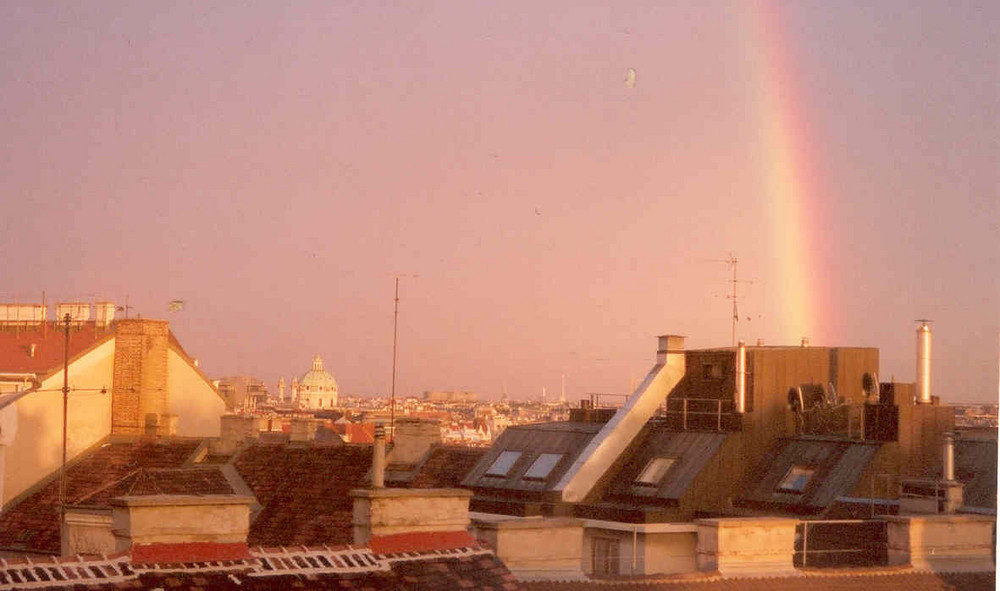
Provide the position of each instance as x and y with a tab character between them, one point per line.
378	458
741	377
948	464
924	363
805	341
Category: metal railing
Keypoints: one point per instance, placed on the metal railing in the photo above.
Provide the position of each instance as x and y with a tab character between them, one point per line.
699	413
840	542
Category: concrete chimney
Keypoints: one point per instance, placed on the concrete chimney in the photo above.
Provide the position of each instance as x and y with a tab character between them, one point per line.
924	362
378	458
741	377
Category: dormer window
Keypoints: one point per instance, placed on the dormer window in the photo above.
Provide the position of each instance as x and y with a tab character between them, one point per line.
796	479
542	466
654	471
504	462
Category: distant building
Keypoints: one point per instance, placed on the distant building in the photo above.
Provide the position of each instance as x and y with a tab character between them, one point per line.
242	392
450	396
316	388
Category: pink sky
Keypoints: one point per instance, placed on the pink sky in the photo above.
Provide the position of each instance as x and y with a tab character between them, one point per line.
276	165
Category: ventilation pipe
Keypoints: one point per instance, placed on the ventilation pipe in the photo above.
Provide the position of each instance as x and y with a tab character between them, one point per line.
924	362
948	465
31	350
741	377
378	458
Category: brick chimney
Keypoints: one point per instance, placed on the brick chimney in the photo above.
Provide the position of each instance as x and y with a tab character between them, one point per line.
139	386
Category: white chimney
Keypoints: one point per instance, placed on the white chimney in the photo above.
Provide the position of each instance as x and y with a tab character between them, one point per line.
741	377
948	465
924	362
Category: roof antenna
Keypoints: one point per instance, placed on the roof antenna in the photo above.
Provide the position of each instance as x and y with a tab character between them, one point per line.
732	261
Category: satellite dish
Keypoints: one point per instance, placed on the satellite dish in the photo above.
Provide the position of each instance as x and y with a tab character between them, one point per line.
8	424
868	383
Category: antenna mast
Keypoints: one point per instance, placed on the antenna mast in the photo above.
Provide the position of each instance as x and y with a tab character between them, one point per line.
392	391
732	261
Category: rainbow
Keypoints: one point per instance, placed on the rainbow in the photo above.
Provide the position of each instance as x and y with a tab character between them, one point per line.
789	188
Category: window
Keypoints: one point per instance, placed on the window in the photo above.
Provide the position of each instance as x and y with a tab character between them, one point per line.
542	466
504	462
711	371
653	473
606	556
796	479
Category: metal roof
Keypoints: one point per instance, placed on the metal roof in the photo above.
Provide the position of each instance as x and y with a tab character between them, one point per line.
690	450
836	464
568	439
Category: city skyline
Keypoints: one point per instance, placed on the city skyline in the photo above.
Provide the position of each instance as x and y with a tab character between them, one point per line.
554	186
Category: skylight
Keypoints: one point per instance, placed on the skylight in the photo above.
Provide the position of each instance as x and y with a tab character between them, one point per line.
654	471
542	466
504	462
796	479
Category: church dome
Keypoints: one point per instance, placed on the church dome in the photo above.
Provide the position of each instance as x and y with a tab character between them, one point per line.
316	387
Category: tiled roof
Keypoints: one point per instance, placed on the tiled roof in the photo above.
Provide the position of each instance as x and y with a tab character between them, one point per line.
207	480
31	522
840	581
15	346
303	491
465	567
446	466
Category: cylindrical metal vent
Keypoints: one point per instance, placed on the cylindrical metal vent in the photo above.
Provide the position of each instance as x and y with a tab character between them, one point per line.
948	463
378	458
741	377
924	363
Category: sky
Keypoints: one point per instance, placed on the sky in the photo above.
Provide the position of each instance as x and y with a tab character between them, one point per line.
277	166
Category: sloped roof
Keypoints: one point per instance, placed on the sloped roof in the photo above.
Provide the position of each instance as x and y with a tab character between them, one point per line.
50	343
303	491
447	465
565	438
836	467
31	522
690	450
469	566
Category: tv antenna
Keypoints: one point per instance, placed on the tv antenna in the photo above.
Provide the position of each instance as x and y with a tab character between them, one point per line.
735	296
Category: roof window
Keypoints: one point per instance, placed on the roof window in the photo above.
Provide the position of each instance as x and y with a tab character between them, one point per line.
542	466
796	479
504	462
654	471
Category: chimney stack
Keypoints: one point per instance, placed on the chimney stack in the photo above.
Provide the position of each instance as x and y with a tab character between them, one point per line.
378	457
948	463
924	363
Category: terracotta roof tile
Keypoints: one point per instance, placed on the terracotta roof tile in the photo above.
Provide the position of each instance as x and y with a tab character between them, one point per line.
49	346
31	523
